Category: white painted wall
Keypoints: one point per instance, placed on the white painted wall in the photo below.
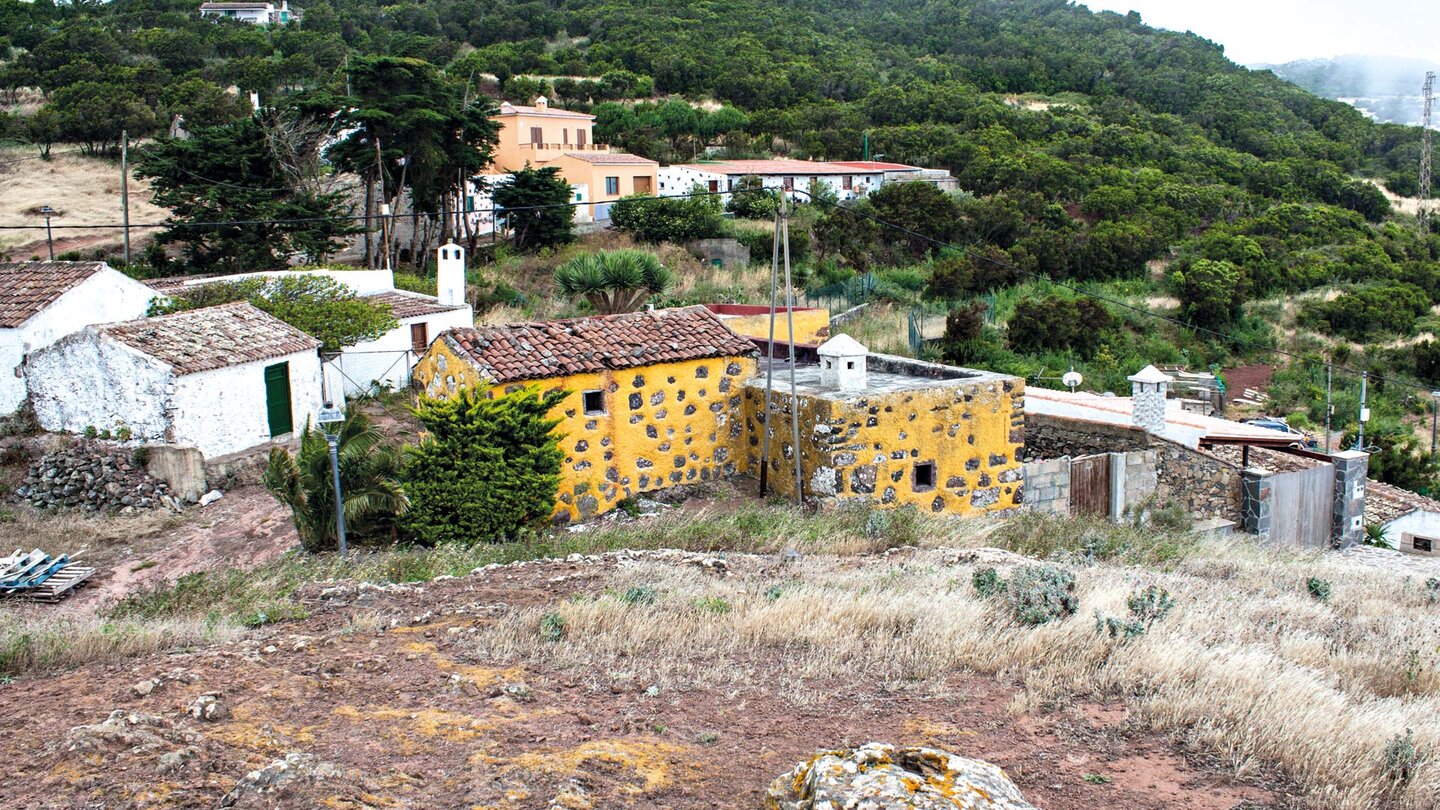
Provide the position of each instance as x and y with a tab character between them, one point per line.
87	380
387	360
105	297
223	411
680	179
1422	523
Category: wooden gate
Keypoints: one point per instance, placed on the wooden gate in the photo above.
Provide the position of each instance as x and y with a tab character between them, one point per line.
1301	507
1090	485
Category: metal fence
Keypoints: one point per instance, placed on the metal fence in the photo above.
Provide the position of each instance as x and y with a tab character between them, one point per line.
365	372
843	295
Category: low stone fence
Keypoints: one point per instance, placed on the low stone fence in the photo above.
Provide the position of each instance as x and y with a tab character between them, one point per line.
1047	486
94	477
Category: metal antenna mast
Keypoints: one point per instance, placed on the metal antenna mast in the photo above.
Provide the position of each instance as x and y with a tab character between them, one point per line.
1422	214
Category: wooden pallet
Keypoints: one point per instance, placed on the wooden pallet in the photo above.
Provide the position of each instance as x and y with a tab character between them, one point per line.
59	585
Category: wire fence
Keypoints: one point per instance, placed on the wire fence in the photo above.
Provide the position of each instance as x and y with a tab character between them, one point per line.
367	372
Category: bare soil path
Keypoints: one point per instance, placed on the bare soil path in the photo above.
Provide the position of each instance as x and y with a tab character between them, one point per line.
380	699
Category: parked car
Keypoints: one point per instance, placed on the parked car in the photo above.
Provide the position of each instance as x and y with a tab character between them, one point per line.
1302	439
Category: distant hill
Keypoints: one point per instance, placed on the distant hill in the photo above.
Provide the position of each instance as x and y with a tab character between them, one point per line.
1385	88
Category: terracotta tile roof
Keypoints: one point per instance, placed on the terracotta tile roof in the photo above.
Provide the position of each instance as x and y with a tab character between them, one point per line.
515	109
28	287
170	284
210	338
875	166
767	167
535	351
1384	503
411	305
612	159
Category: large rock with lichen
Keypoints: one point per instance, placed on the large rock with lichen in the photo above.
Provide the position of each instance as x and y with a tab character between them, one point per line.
877	776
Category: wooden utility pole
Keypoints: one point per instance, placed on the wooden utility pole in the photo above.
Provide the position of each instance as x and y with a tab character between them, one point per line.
125	189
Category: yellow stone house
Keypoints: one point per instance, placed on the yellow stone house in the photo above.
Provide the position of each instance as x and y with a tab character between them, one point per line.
540	135
653	397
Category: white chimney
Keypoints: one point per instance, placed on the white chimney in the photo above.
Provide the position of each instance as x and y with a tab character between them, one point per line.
450	274
255	100
542	103
842	364
1147	404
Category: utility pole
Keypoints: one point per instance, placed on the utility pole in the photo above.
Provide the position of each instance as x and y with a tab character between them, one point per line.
1364	411
125	189
1422	212
47	212
1434	419
770	361
790	320
1329	408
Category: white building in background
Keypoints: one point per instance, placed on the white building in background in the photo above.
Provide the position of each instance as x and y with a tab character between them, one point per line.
252	13
903	173
221	379
41	302
789	176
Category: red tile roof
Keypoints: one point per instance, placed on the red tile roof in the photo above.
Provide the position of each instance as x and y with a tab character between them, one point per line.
28	287
742	168
411	305
213	337
535	351
612	159
876	166
1384	503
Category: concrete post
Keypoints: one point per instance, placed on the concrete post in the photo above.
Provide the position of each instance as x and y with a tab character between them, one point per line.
1348	525
1258	499
1117	487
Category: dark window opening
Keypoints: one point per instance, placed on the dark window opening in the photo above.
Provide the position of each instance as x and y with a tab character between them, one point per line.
594	403
925	475
1422	544
850	364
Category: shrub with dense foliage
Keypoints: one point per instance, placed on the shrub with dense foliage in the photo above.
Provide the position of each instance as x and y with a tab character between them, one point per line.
487	468
369	484
317	305
1058	323
614	280
668	219
1211	292
1368	312
522	204
1041	593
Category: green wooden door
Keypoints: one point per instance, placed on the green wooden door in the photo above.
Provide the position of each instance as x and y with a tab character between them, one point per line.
277	399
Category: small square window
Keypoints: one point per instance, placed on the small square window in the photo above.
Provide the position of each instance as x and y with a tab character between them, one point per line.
594	403
1422	544
925	476
850	364
829	364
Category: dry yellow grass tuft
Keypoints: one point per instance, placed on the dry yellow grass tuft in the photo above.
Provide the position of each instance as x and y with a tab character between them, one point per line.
1248	666
84	190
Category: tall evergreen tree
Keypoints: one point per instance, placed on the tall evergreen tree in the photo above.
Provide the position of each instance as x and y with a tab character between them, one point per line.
534	205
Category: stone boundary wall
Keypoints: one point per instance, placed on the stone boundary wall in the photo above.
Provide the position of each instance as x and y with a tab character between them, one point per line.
1206	486
1047	486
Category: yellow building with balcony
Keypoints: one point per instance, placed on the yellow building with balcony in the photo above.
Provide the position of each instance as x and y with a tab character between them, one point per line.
541	135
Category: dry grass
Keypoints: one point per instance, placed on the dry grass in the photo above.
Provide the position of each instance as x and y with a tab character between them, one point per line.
1248	666
84	190
31	641
96	539
881	328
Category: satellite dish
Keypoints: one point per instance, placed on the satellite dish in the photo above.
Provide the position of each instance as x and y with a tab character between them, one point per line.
1072	379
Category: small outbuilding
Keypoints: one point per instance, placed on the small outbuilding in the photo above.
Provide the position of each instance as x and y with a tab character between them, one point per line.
41	302
1410	521
221	379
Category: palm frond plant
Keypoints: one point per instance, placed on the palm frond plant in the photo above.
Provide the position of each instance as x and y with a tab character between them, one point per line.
369	482
615	280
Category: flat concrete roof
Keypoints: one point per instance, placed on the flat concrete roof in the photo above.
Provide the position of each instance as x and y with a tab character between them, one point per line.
807	380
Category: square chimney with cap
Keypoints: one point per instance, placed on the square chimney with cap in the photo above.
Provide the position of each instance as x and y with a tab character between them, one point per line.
1147	405
842	364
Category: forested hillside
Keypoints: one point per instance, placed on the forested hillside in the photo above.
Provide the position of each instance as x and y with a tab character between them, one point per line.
1091	148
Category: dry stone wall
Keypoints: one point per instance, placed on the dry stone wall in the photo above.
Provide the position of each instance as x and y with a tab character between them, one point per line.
94	477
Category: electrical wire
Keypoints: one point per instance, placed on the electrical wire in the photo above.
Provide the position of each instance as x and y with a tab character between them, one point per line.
940	243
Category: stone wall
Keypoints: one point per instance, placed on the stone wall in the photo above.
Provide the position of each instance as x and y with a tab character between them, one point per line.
1047	486
727	251
95	477
943	446
1205	485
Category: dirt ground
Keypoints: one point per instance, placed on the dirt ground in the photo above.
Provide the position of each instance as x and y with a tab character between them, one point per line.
380	699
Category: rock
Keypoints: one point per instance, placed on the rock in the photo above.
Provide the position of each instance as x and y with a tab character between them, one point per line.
211	497
173	761
145	687
208	708
273	777
877	775
129	731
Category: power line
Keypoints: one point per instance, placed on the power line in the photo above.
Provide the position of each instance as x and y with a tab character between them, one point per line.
963	249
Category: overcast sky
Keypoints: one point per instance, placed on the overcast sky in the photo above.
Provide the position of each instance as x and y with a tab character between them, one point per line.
1274	31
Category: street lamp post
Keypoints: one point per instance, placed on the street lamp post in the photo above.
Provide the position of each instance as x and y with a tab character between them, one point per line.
331	419
47	212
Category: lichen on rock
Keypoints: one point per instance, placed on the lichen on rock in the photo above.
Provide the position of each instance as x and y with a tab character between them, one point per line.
878	776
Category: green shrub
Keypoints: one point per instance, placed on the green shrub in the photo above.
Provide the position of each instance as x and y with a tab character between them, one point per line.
987	582
488	467
1369	312
1150	605
1041	593
1401	758
712	604
640	595
552	626
1319	588
668	219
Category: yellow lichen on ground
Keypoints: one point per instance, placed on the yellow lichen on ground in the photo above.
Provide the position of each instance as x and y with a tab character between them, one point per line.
478	675
649	760
250	730
365	801
926	730
431	723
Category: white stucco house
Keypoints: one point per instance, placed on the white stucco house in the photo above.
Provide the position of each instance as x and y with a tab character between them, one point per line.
790	176
386	361
252	13
1411	521
41	302
221	379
